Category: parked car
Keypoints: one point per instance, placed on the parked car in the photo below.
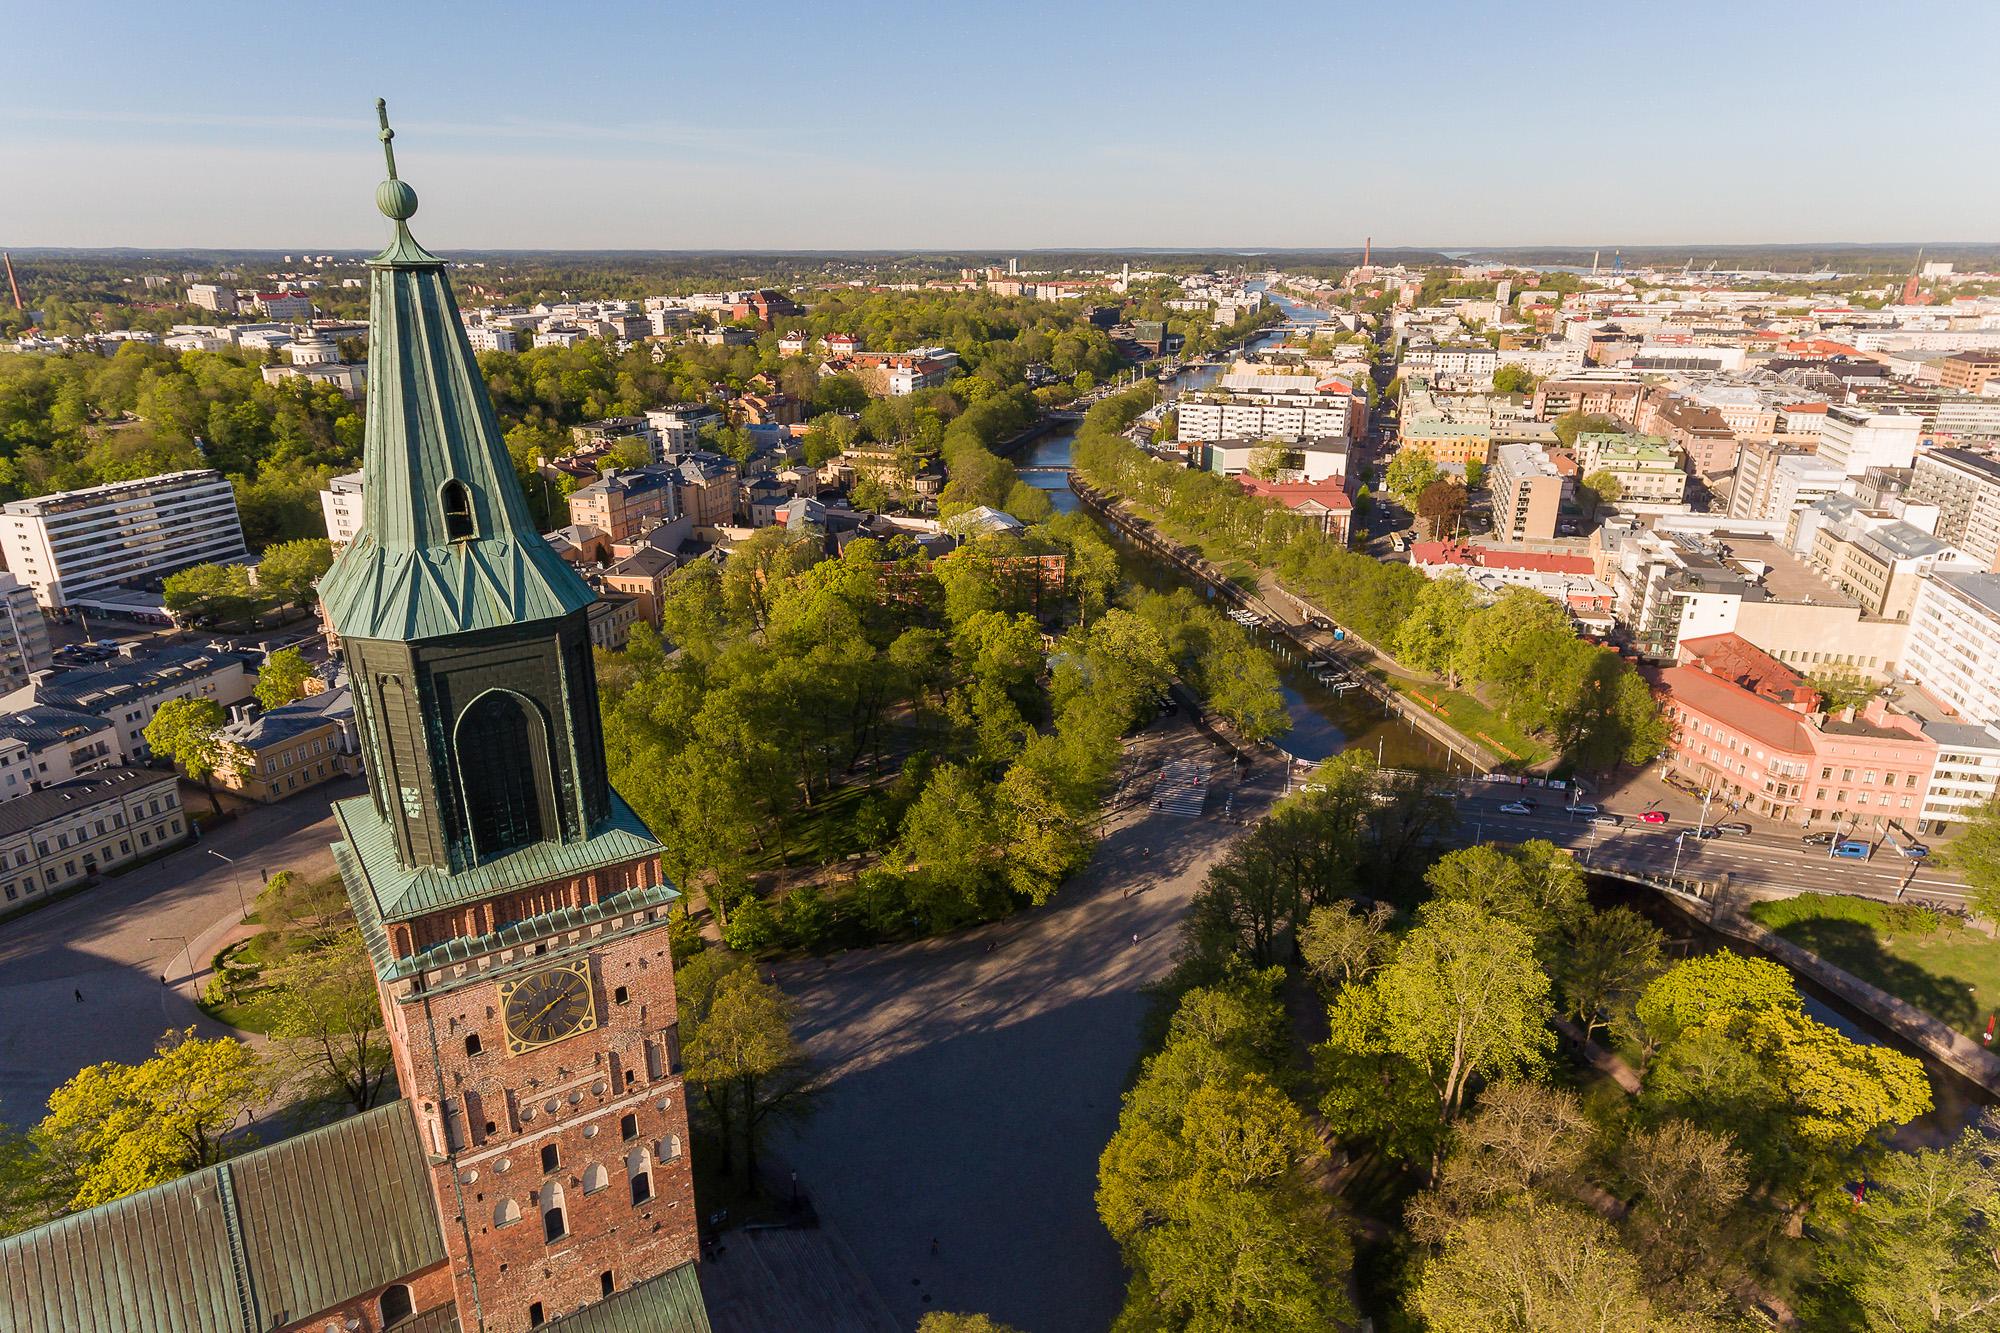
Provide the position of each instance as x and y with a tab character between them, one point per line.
1823	838
1606	821
1653	816
1736	826
1851	850
1705	833
1517	808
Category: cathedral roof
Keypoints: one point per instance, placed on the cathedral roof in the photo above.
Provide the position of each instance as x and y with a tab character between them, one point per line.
447	545
254	1244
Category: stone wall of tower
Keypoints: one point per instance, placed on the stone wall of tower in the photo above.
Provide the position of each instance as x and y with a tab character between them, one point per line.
486	1117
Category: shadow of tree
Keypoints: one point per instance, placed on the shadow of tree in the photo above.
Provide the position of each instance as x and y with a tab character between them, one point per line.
1855	947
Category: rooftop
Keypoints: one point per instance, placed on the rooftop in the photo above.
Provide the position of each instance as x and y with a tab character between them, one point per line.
97	689
1777	727
1983	590
277	725
38	807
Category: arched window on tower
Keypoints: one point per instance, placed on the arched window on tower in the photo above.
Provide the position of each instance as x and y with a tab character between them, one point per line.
555	1222
639	1167
396	1304
503	765
456	501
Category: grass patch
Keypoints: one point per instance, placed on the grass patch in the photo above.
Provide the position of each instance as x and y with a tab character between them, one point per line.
1473	718
1934	962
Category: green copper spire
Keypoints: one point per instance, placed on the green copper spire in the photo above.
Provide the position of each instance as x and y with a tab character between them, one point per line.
446	544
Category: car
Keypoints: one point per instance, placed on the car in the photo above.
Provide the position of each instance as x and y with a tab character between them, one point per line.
1704	834
1653	816
1823	838
1852	850
1736	826
1517	808
1581	808
1606	821
1916	851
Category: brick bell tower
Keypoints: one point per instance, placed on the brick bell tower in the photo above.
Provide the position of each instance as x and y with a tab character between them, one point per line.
513	906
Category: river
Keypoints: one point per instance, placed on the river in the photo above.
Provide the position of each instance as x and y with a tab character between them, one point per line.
1325	724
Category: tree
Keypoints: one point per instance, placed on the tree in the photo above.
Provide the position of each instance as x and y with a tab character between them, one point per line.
1600	490
1536	885
951	844
1463	998
1718	983
1976	855
739	1051
1343	944
189	732
329	1021
1439	506
1408	473
1429	636
116	1129
1572	424
1513	378
1842	687
1687	1184
1918	1251
1537	1267
1609	955
282	678
290	572
939	1321
210	594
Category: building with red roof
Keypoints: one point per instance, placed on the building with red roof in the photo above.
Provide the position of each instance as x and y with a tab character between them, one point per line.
1325	502
1743	664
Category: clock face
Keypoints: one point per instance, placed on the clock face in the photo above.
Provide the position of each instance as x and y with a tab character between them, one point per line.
547	1006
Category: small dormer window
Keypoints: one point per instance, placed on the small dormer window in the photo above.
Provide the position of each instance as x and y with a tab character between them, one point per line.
457	502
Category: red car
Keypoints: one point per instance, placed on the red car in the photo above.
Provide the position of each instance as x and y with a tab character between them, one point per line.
1653	816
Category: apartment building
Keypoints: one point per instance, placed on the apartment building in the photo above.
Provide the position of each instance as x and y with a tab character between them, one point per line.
24	634
1774	480
679	428
1855	439
1527	489
625	505
43	747
287	307
1954	643
1609	393
76	546
1966	776
1965	487
127	692
1204	418
1879	564
1450	442
63	835
1647	471
1308	460
340	504
268	755
210	296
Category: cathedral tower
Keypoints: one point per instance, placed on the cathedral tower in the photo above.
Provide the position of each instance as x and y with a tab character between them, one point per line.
513	906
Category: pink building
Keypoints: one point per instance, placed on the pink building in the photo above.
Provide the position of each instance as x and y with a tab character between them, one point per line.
1861	771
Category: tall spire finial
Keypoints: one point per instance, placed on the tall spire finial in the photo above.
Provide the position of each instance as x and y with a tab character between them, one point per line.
393	196
388	136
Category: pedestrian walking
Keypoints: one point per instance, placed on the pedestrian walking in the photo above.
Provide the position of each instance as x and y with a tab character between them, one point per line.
1135	939
79	997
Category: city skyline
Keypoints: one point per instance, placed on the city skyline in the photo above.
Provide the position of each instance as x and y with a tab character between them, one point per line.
850	130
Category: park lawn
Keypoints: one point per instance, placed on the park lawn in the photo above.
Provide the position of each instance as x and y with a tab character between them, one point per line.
1952	971
1474	719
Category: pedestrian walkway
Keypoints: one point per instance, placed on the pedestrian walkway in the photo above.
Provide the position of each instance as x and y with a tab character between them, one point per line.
1183	788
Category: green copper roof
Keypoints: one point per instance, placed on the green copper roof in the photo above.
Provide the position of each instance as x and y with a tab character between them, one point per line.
446	543
255	1244
669	1303
400	894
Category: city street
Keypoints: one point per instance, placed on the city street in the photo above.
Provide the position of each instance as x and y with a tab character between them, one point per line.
111	944
1771	857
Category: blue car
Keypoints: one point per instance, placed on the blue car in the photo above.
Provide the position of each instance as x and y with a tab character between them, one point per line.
1852	850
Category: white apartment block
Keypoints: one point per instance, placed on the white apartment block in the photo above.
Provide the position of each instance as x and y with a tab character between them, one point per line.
1965	487
1199	422
1855	439
209	296
74	546
493	338
1965	777
1955	642
340	502
24	634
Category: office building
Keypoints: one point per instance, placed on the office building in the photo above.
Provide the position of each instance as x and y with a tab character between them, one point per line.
43	747
1969	372
625	505
340	503
127	692
24	634
1855	439
76	546
209	296
1966	777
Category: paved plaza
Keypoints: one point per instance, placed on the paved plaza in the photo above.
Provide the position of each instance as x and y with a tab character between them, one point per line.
112	943
975	1079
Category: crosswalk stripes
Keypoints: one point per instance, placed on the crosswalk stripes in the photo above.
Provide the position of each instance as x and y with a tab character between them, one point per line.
1182	788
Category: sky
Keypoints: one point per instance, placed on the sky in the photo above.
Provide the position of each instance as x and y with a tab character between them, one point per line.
950	124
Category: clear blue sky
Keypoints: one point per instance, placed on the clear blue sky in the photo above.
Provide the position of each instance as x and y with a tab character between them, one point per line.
951	123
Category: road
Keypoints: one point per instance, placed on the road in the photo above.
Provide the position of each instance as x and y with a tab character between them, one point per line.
113	943
975	1079
1770	857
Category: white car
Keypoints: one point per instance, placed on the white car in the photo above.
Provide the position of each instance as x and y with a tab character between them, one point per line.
1581	808
1516	808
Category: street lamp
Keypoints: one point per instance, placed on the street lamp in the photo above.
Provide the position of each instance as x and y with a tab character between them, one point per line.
187	951
235	882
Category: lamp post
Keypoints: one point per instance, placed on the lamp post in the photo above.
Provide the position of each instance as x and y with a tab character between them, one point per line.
235	882
187	951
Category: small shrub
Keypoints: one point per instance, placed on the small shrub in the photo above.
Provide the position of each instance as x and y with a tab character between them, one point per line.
684	937
805	916
753	927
